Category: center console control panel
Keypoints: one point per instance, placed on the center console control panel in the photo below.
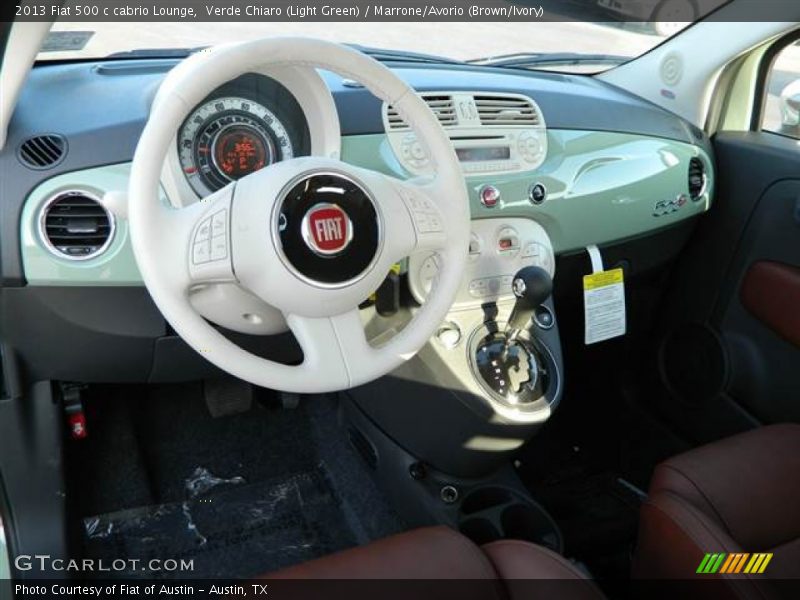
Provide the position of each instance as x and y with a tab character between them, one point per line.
498	249
492	133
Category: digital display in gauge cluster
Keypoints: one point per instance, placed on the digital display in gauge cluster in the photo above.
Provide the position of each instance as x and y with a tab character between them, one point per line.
227	138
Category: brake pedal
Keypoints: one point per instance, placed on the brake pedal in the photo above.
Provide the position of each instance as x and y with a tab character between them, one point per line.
226	397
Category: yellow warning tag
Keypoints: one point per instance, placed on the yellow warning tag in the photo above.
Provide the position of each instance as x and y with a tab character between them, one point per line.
604	305
602	279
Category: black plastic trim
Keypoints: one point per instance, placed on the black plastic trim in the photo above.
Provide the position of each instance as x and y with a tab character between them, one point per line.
764	72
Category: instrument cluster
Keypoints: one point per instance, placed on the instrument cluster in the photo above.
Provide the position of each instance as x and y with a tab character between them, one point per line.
246	126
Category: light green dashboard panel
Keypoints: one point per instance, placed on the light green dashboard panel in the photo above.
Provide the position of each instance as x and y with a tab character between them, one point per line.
116	266
602	188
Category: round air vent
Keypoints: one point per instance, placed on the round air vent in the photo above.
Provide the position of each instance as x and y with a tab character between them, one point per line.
697	179
75	225
42	151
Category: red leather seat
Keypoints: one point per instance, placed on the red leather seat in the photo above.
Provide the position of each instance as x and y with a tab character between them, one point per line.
505	568
739	495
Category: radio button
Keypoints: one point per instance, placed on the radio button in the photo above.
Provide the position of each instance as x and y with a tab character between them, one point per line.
537	193
489	196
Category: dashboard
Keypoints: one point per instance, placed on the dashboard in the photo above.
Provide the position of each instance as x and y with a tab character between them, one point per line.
552	164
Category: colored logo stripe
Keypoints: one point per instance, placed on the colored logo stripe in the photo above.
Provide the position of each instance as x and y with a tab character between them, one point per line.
735	563
711	563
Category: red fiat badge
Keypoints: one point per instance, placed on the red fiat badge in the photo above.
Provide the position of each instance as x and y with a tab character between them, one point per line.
327	229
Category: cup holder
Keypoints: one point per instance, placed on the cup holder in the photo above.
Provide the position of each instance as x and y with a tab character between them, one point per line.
484	499
531	523
494	513
480	531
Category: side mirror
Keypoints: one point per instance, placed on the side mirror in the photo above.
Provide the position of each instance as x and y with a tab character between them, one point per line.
790	104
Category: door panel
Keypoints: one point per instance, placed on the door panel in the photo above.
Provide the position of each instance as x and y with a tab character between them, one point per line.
758	313
736	289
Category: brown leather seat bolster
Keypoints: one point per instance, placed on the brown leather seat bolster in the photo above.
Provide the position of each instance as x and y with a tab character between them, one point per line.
430	553
530	571
748	483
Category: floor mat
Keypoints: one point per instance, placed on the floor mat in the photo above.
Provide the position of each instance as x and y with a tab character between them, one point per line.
227	527
155	457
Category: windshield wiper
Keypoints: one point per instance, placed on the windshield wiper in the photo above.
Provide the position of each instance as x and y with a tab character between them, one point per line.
382	55
525	60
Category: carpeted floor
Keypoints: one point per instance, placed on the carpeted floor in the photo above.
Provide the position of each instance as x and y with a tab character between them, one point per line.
586	464
241	495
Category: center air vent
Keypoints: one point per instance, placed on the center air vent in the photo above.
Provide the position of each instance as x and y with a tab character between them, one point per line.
42	151
506	111
75	225
697	178
442	106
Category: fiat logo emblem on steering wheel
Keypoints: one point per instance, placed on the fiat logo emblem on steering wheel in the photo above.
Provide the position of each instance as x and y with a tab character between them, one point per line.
327	230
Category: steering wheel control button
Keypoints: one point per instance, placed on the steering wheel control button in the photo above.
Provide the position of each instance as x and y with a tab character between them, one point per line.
326	229
426	215
201	252
218	222
219	247
203	232
489	196
537	193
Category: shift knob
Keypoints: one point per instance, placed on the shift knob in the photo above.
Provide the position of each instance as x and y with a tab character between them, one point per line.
532	286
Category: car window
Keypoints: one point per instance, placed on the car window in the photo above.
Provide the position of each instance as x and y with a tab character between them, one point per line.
782	108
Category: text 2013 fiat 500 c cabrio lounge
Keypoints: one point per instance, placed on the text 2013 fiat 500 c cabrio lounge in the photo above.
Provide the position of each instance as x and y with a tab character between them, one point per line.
506	301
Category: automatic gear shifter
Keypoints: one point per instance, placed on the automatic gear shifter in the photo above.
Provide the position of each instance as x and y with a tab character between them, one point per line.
507	362
532	286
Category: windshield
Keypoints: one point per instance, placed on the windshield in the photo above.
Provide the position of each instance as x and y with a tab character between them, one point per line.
602	45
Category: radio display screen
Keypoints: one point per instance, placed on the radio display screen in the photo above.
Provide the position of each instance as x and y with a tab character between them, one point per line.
483	153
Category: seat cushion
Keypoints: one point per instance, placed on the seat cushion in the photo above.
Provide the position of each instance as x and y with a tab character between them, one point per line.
430	553
748	484
503	570
739	495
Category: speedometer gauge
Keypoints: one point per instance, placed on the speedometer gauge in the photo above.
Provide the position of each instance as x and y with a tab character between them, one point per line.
228	138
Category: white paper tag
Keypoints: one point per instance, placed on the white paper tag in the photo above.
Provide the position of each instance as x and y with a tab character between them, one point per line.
604	305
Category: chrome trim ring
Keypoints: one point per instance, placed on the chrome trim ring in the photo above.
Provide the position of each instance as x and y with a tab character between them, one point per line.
42	231
539	323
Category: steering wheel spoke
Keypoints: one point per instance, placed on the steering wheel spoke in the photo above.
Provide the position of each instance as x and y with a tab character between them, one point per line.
332	347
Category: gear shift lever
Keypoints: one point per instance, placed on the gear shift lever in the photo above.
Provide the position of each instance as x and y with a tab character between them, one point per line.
532	286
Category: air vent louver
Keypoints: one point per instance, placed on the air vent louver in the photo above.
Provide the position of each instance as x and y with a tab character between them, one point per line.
442	107
75	225
506	110
42	151
697	178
